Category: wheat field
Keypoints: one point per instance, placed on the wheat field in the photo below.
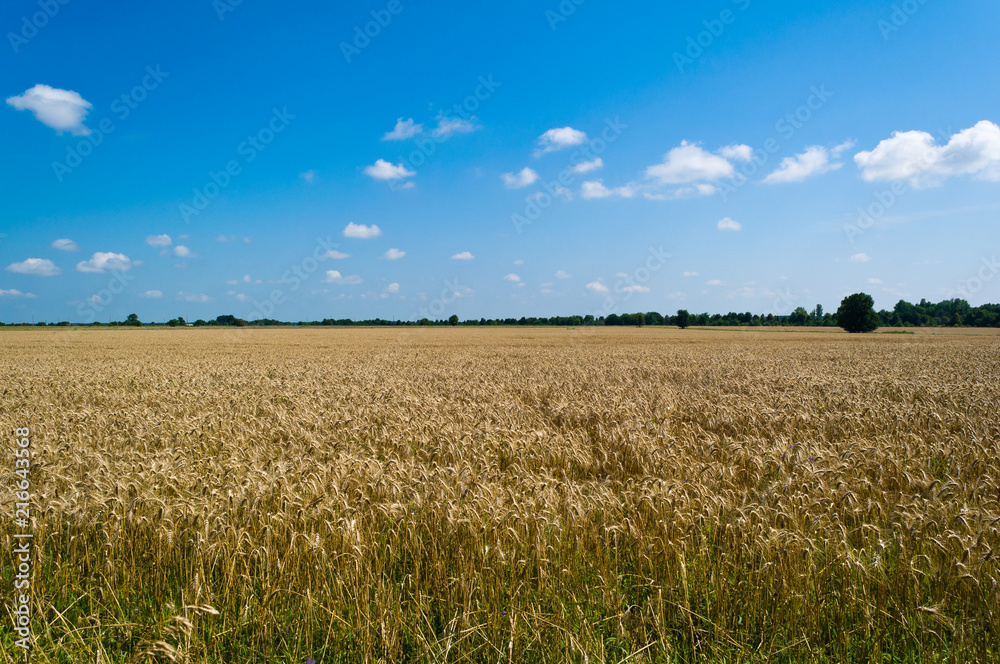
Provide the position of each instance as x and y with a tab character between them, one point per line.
506	495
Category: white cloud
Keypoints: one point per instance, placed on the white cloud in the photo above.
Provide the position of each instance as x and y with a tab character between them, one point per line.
512	277
689	163
361	232
524	178
13	292
383	170
737	152
335	277
105	260
728	224
916	156
676	295
309	176
65	244
337	255
596	287
843	147
559	139
158	240
814	161
183	252
860	258
519	262
587	166
448	126
563	274
690	274
221	238
403	130
463	256
714	282
635	288
153	294
193	297
40	267
596	189
63	110
394	254
875	282
392	288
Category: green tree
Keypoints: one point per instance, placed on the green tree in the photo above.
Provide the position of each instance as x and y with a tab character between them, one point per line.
133	320
453	320
857	313
683	317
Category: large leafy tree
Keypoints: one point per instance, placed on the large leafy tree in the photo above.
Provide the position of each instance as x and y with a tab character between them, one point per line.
683	318
857	313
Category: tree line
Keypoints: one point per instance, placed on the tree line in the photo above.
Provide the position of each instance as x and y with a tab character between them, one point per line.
947	313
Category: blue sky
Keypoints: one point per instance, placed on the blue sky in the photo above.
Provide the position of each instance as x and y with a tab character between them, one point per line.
199	158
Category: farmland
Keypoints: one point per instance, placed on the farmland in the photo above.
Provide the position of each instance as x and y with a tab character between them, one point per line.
521	495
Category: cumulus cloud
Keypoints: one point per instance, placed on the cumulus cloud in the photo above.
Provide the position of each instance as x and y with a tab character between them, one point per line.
161	240
596	189
512	277
13	292
64	244
361	232
525	177
63	110
563	274
309	176
394	254
728	224
860	258
39	267
519	262
737	152
183	252
449	126
916	156
814	161
153	294
596	287
337	255
335	277
463	256
105	260
403	130
714	282
193	297
587	166
384	170
392	288
635	288
689	163
690	274
559	138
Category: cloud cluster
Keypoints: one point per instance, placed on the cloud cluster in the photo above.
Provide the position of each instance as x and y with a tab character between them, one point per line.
102	261
525	177
63	110
39	267
361	232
